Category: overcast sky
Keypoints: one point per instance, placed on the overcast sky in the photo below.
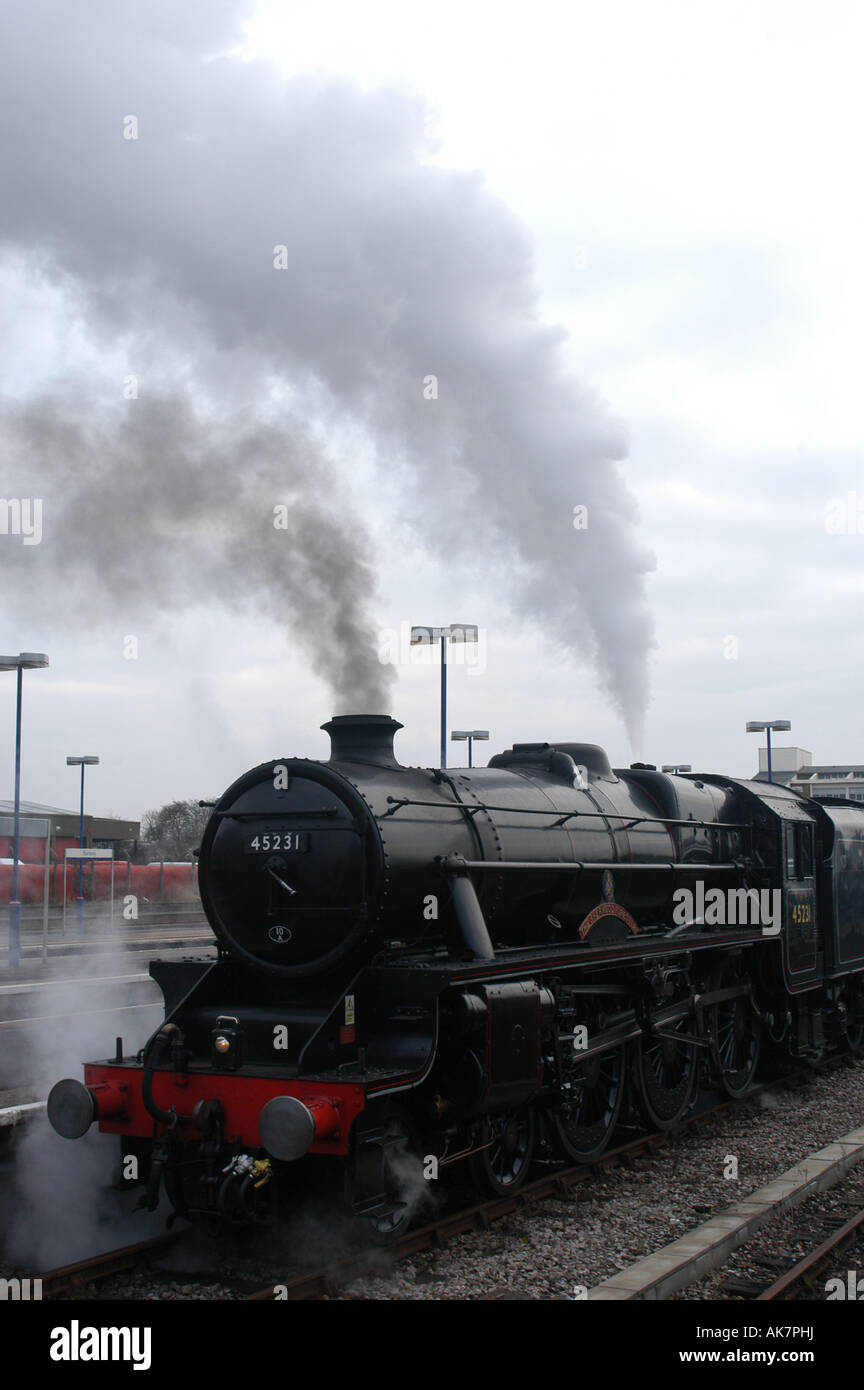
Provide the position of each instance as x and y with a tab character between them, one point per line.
625	240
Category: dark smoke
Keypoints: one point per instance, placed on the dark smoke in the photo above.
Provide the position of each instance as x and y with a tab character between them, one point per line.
397	269
150	505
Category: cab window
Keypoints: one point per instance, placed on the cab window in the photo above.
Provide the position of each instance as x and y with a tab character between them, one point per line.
799	850
804	838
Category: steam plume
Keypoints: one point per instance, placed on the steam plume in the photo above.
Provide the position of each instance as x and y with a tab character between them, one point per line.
158	506
396	269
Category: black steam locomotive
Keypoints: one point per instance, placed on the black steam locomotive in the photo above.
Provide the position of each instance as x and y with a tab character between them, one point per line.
481	965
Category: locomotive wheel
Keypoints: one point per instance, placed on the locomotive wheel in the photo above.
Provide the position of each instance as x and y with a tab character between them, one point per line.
665	1073
736	1034
503	1165
592	1092
384	1185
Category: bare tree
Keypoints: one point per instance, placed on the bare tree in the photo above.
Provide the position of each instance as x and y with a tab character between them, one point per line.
174	831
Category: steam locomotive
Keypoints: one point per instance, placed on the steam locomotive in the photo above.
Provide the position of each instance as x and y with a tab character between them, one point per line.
421	964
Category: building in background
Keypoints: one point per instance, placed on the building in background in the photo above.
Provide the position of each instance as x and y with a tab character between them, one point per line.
794	767
786	764
100	832
831	779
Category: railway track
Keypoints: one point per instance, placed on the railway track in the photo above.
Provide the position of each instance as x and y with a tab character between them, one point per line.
805	1270
69	1278
326	1280
793	1255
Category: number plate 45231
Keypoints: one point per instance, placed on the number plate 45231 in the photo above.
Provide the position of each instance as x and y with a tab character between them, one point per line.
268	841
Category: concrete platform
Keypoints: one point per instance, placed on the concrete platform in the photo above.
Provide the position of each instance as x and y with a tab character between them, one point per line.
708	1246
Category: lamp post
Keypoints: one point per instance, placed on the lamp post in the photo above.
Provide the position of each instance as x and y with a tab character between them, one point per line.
460	735
755	726
25	661
426	636
676	767
82	762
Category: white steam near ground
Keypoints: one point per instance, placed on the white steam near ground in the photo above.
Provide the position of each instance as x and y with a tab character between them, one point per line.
61	1200
59	1203
63	1205
395	270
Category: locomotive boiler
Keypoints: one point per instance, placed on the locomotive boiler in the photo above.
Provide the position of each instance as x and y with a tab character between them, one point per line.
483	965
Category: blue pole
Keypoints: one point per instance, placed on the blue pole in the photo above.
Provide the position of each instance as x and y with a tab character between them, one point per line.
470	742
770	778
80	927
444	699
14	904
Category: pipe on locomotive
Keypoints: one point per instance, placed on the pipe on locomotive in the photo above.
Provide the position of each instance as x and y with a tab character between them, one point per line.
466	905
169	1034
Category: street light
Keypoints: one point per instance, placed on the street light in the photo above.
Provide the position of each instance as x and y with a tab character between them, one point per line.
24	661
755	726
460	735
676	767
82	763
427	636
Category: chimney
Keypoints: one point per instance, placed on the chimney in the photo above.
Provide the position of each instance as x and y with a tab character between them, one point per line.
362	738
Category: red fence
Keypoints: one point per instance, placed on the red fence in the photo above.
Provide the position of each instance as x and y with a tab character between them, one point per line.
166	883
